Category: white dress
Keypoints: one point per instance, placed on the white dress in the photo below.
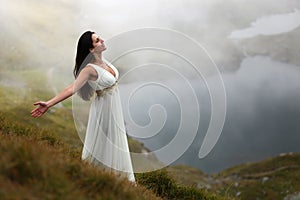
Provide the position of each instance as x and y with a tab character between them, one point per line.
105	143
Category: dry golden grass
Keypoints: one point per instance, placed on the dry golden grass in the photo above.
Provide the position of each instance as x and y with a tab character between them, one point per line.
36	165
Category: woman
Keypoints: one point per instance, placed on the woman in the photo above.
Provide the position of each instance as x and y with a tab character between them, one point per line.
105	141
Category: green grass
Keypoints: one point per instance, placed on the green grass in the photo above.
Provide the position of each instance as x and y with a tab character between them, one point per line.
188	176
273	178
164	185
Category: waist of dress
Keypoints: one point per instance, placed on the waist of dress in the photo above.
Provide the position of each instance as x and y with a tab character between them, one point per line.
108	90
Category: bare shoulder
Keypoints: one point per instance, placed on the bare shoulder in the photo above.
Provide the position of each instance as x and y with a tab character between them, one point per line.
89	71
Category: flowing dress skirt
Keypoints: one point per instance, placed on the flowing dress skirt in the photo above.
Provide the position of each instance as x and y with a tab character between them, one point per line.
106	142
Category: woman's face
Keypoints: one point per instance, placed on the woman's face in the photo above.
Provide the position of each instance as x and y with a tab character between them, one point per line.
98	44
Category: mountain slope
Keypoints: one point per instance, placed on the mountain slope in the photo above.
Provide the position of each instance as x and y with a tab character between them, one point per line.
40	158
36	165
273	178
269	179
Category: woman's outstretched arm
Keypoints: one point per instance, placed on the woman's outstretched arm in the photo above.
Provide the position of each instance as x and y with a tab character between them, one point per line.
43	106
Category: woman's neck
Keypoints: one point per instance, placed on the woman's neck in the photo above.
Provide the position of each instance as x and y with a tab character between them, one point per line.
98	59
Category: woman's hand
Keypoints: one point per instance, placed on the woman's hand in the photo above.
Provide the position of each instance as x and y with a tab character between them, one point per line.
40	110
82	78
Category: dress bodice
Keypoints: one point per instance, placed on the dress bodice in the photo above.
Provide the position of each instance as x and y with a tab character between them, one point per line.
105	78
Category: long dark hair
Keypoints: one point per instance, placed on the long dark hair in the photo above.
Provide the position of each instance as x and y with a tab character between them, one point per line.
83	57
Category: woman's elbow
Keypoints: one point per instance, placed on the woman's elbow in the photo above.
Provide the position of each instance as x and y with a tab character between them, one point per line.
70	90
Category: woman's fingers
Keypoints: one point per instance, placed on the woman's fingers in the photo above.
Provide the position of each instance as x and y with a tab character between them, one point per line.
40	110
34	110
35	113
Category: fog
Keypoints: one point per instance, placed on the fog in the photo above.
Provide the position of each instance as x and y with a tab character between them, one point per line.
262	108
263	114
254	45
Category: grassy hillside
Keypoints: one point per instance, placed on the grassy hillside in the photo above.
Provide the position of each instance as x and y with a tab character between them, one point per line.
40	158
273	178
40	164
36	164
270	179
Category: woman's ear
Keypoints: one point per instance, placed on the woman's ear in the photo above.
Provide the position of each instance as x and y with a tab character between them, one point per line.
92	50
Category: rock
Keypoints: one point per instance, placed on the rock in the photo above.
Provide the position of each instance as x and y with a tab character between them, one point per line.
293	197
264	179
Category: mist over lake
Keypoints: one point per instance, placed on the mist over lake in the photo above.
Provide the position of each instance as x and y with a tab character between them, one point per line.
254	45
